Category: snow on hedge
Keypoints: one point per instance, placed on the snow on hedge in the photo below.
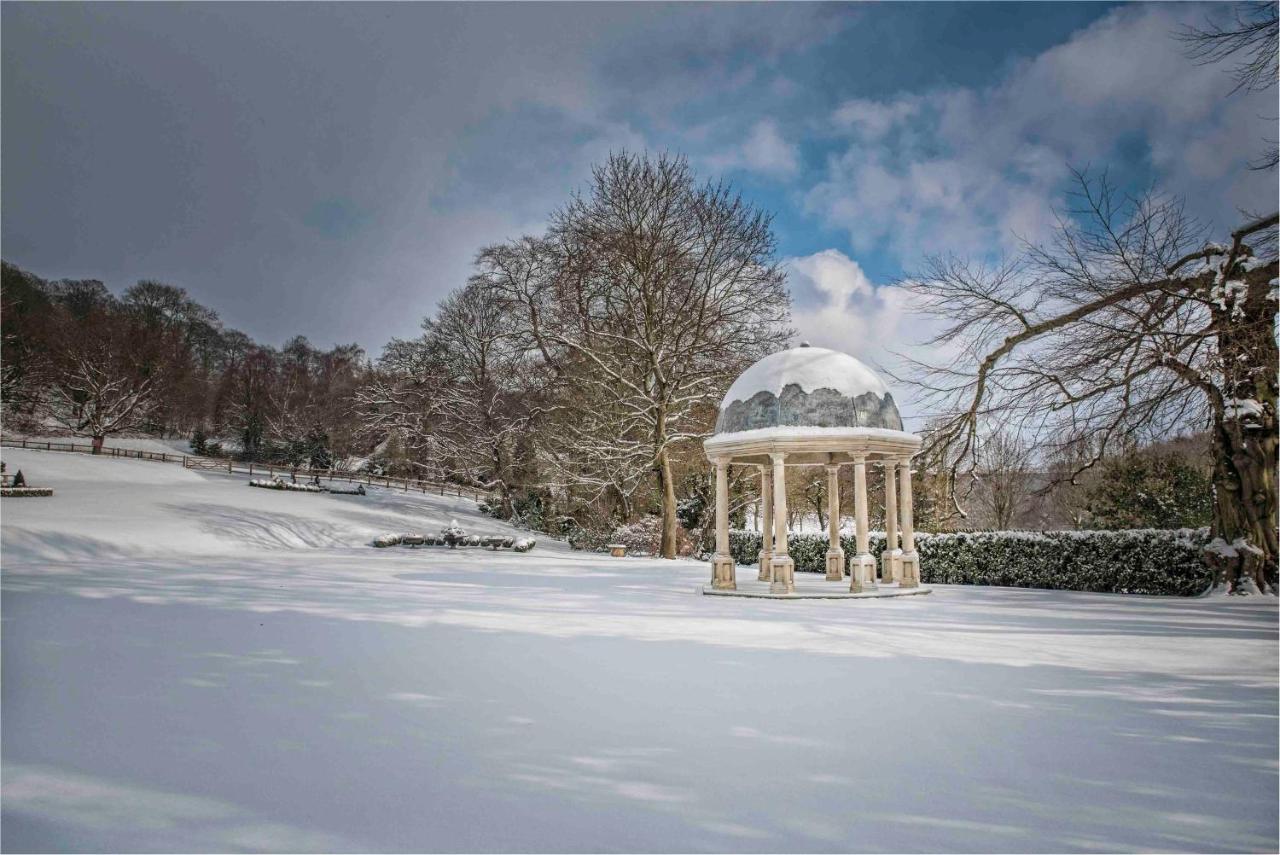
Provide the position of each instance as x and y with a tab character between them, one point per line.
1142	561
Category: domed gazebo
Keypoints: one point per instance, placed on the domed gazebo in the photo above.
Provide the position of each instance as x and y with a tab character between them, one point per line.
809	406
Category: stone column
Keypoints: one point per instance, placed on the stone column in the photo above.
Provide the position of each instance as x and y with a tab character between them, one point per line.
722	569
891	559
910	560
766	526
862	567
835	553
782	568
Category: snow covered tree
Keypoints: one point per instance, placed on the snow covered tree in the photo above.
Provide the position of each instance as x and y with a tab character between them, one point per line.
650	293
485	405
103	376
1124	327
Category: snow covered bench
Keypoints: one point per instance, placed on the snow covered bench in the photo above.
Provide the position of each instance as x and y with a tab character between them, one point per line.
279	483
491	541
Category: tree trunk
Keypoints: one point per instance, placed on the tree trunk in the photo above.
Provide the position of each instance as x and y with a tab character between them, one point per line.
1243	551
668	491
97	443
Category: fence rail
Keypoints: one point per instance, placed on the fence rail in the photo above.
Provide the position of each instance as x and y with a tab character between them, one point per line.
232	467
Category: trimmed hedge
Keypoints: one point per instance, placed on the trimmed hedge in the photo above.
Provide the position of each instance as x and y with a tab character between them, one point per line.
1139	561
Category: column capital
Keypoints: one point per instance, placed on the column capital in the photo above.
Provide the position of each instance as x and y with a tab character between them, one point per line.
777	457
831	467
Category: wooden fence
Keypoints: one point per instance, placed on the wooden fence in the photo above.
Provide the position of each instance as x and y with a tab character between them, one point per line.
232	467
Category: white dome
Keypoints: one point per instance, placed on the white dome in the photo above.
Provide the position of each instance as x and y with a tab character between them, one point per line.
811	368
809	387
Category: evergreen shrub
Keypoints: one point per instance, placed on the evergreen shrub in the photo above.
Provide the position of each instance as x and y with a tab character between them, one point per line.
1134	561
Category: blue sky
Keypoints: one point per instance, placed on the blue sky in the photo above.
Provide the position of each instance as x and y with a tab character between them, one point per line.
332	169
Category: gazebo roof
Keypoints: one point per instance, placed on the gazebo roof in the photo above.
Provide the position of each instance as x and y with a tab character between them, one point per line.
814	404
808	387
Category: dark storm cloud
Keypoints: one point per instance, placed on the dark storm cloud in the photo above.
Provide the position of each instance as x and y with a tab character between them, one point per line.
332	169
323	168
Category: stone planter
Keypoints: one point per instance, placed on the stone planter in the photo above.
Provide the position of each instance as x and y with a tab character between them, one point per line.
617	550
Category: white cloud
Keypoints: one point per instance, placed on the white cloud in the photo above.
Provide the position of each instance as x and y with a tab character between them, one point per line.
764	151
873	119
839	307
967	169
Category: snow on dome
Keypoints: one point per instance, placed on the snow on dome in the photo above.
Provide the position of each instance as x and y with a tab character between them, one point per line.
811	387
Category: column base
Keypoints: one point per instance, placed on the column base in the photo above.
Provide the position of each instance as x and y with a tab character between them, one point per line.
723	573
835	565
891	565
910	577
784	575
862	573
766	572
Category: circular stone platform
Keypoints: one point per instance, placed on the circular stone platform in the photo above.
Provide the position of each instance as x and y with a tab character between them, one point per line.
817	589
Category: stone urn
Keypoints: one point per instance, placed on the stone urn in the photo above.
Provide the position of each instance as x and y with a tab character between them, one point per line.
453	535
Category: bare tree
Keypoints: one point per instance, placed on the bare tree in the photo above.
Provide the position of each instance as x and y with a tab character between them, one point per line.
1115	332
1250	41
1067	484
485	405
649	295
101	379
398	404
1003	477
1253	35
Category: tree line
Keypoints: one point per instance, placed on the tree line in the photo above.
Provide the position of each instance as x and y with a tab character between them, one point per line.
572	375
80	359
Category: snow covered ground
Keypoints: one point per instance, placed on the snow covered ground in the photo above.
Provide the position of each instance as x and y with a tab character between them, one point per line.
189	664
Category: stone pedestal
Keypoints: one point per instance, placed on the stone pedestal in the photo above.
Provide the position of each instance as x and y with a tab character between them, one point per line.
784	575
910	572
891	565
862	573
835	565
722	573
766	570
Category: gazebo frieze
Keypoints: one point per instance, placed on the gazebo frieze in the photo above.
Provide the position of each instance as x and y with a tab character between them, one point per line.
811	446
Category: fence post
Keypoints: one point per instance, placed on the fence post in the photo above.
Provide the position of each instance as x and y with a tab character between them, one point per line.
24	443
228	465
250	468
